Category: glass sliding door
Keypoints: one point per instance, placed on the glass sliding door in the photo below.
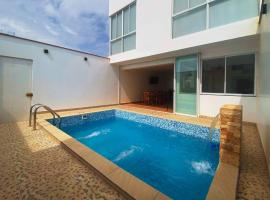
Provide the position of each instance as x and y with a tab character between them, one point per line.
186	85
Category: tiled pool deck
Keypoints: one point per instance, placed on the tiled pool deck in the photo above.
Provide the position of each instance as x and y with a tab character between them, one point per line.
35	166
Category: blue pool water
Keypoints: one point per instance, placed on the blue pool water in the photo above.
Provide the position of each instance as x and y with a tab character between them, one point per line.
178	164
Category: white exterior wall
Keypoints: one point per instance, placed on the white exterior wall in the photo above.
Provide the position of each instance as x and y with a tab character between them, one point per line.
211	104
62	79
263	100
154	31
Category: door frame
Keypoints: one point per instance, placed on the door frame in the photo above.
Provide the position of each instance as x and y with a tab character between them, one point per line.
31	74
197	86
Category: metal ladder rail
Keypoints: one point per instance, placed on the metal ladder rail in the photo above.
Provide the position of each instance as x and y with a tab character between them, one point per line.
31	112
35	115
54	114
50	111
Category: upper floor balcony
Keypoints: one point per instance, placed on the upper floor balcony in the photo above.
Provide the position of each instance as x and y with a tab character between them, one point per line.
165	27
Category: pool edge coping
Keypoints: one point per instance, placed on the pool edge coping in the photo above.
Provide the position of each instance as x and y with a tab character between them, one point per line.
224	182
123	181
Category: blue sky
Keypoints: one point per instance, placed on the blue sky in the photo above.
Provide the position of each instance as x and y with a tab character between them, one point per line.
77	24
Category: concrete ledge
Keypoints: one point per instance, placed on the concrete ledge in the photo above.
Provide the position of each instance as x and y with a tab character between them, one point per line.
123	181
224	184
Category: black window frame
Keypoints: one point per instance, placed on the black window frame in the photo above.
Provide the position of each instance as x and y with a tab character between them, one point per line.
225	76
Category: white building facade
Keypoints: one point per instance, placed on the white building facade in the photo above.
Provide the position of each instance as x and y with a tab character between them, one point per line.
208	52
204	40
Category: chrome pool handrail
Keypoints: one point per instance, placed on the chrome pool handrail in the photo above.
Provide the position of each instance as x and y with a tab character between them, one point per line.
31	112
38	106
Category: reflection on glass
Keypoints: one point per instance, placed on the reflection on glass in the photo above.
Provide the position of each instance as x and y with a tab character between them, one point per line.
186	84
213	74
240	74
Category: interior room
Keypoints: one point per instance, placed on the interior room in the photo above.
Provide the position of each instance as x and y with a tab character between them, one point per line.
149	87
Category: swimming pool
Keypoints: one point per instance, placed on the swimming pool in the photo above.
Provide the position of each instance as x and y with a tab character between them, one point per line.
176	158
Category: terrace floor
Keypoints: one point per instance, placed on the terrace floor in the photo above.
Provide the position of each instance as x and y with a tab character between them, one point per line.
150	107
35	166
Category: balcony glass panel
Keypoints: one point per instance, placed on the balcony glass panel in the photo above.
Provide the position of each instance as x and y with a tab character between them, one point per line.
116	46
113	27
119	25
190	22
180	5
126	21
132	21
130	42
193	3
223	12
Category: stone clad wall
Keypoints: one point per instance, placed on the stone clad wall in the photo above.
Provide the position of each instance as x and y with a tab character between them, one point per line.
230	134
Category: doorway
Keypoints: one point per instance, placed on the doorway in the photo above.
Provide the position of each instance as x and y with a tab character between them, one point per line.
15	83
186	69
148	87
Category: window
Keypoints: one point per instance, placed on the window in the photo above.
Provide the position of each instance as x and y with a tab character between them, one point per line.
230	75
123	30
191	16
213	75
240	72
227	11
189	22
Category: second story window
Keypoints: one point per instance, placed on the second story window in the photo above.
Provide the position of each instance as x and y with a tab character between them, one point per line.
123	30
191	16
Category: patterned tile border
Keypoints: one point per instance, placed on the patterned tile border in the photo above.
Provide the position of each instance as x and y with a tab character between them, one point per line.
167	124
172	125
